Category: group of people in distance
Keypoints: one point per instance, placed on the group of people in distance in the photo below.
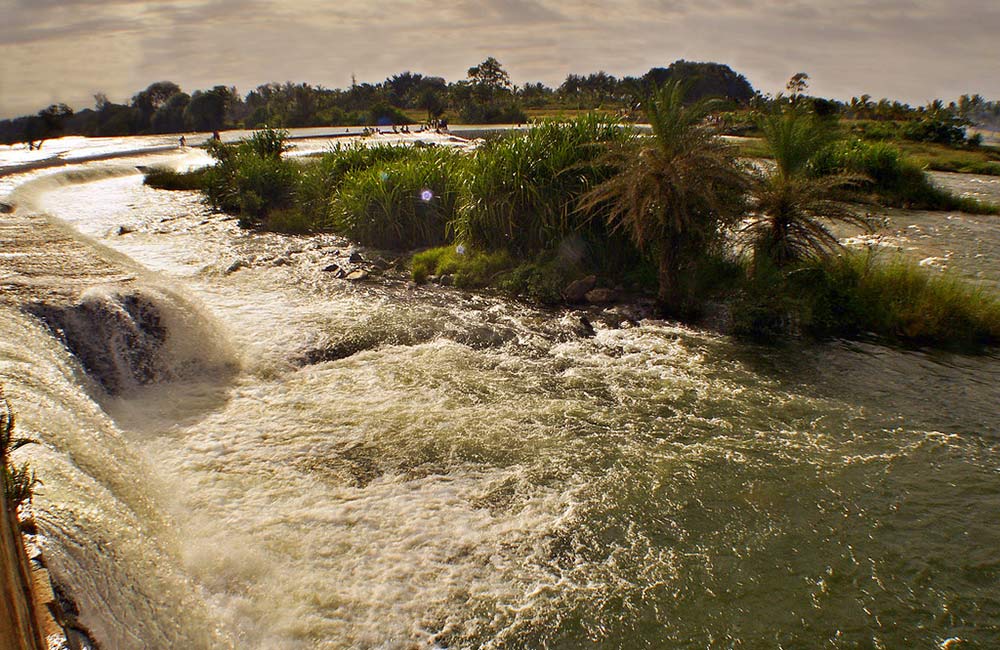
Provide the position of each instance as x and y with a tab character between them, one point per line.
438	126
182	141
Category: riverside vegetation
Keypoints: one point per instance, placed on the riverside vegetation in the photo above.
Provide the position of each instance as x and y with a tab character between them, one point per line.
678	214
19	481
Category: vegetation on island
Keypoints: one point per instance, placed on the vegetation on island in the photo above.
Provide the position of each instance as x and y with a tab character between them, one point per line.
676	214
18	481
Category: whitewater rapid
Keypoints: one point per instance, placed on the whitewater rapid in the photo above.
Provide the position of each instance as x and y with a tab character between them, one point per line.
467	472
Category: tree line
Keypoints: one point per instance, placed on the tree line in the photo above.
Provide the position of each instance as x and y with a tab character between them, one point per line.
486	95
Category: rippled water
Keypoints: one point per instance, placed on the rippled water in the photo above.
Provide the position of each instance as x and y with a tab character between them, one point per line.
475	476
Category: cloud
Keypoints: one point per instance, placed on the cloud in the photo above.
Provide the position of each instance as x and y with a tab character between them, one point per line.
907	49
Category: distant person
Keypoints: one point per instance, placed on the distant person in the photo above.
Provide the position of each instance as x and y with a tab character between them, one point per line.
216	136
183	141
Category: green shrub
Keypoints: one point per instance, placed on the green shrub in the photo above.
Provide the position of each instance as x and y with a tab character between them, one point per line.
893	179
471	269
521	192
384	114
402	203
940	127
858	295
168	179
541	281
492	113
250	177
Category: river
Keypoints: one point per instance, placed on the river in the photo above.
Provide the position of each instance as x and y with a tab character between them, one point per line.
463	471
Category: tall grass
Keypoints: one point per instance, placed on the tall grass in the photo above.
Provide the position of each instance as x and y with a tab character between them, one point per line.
894	179
320	179
17	481
520	193
860	294
400	203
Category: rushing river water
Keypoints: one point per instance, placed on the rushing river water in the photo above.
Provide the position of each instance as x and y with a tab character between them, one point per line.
474	475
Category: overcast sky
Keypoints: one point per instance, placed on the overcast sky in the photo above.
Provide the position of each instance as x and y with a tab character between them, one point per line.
913	50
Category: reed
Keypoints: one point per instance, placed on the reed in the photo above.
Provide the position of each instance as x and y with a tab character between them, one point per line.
893	179
520	193
401	204
860	294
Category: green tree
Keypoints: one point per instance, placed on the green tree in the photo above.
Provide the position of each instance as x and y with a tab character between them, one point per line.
674	193
792	208
148	101
490	78
169	118
207	109
431	100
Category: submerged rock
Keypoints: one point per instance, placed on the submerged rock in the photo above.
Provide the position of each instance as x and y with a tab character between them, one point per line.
235	266
578	325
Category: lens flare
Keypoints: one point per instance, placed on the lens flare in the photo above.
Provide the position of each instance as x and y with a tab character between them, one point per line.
426	195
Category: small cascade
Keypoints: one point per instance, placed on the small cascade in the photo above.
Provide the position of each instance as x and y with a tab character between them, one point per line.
128	338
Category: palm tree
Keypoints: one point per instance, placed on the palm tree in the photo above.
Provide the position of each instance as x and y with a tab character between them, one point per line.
673	192
792	209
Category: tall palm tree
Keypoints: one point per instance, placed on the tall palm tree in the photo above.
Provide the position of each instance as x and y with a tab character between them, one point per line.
673	192
792	209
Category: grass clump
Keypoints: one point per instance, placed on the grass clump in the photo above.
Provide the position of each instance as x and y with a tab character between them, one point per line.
976	160
19	481
250	178
168	179
857	294
893	179
471	269
402	203
520	193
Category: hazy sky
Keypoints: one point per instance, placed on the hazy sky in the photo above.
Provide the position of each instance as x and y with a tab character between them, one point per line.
913	50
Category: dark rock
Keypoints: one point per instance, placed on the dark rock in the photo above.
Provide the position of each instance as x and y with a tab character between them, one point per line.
355	258
446	280
359	274
6	208
281	261
600	296
332	268
615	319
117	339
124	230
578	325
576	291
381	264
